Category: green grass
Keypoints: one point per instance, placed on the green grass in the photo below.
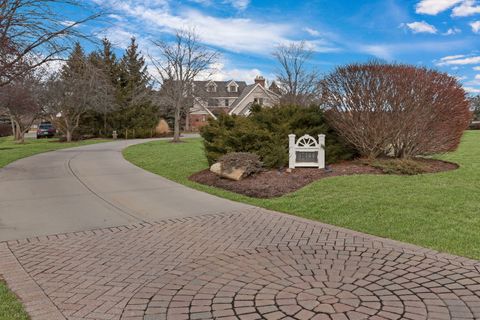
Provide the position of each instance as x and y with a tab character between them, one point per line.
439	211
10	307
11	150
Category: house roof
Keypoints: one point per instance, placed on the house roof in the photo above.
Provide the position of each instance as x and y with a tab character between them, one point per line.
245	93
200	89
248	90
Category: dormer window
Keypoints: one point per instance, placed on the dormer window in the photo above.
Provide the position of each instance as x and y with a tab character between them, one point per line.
211	87
232	86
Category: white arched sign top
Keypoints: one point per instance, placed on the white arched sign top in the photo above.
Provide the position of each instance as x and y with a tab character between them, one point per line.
306	151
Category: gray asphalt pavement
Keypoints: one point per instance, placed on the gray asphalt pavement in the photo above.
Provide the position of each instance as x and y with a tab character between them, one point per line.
91	187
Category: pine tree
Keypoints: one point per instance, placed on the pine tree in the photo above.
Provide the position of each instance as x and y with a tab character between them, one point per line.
75	64
109	61
134	78
137	112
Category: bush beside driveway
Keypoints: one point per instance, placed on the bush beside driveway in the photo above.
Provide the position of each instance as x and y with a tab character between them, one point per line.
438	211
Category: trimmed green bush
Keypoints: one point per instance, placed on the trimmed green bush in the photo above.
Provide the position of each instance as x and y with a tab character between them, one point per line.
265	132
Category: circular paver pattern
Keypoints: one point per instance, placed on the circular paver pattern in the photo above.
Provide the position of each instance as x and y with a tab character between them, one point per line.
315	283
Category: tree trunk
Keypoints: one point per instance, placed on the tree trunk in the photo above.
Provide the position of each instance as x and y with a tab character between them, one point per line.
14	129
176	128
22	137
18	132
69	135
105	124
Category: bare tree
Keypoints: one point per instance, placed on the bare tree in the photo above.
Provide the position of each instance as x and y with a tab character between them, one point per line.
79	87
178	64
399	110
21	101
33	32
297	81
475	107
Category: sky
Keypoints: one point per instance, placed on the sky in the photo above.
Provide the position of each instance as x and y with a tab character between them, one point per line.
441	34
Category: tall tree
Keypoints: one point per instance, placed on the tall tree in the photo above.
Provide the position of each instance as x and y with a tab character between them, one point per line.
77	88
137	112
178	64
298	82
106	61
109	61
33	33
134	78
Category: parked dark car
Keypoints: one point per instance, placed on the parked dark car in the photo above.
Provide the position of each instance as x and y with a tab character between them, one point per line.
46	130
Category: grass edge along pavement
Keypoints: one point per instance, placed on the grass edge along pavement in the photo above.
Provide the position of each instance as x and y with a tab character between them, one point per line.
11	151
440	211
10	306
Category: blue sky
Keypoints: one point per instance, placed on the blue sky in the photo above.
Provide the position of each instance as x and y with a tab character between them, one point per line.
443	34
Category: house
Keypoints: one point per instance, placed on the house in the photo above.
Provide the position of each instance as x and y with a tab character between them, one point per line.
232	97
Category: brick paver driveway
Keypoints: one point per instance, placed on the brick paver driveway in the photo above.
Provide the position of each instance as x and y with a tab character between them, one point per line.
252	264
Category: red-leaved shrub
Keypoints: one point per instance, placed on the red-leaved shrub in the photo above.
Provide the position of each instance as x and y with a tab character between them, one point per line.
394	109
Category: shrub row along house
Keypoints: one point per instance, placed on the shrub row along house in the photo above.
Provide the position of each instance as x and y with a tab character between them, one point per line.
229	97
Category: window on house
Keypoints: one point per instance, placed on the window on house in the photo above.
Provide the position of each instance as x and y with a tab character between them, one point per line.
211	88
212	102
258	101
232	88
204	118
227	102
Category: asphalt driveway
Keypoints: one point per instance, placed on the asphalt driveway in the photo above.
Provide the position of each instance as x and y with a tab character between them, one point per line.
91	187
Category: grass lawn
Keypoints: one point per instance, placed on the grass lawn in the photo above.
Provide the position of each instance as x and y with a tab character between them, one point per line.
11	151
10	307
439	211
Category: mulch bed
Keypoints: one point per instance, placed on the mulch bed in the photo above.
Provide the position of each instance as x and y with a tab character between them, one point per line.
275	183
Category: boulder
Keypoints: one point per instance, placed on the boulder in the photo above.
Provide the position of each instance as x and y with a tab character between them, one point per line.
234	174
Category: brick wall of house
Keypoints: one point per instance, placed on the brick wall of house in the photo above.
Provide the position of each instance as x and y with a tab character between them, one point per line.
197	121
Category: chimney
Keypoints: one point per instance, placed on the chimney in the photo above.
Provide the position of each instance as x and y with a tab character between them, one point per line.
260	80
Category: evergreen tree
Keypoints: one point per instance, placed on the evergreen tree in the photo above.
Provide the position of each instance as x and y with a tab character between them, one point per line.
137	115
109	61
75	64
134	78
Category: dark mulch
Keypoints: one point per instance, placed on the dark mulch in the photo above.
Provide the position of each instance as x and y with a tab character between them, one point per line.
275	183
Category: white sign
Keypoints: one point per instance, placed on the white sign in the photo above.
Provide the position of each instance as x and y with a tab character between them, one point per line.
306	151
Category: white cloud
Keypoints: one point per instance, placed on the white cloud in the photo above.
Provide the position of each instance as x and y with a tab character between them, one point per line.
378	50
472	89
420	27
475	26
434	7
232	34
462	60
238	4
467	8
452	31
312	32
223	73
476	68
119	37
458	56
